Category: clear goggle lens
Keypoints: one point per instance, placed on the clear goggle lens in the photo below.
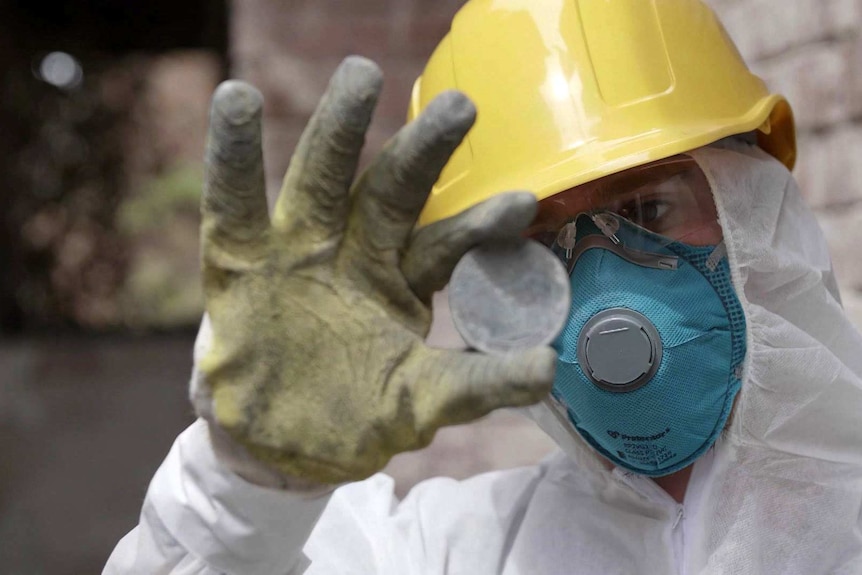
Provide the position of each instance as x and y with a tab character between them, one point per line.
663	202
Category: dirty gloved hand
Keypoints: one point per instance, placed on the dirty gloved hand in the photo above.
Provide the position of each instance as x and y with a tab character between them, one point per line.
315	369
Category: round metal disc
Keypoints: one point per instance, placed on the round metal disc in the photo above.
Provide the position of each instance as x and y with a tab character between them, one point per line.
509	295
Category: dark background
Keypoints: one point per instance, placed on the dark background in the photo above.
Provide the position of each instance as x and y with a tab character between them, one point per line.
91	396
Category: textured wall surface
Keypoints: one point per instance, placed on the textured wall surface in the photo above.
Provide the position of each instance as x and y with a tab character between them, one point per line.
811	51
289	50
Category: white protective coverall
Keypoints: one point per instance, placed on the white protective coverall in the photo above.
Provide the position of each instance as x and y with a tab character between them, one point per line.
781	492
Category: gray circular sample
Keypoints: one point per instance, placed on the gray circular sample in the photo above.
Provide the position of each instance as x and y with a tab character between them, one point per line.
619	350
509	295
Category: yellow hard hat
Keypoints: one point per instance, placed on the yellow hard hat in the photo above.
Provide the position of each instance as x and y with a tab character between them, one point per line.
568	91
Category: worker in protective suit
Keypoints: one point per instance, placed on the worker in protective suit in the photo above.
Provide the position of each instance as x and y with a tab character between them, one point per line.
705	390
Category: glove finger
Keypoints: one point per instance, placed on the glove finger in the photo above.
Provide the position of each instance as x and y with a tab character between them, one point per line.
234	209
391	193
314	198
464	386
435	249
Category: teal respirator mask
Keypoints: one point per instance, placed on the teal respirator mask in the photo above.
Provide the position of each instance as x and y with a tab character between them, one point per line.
650	359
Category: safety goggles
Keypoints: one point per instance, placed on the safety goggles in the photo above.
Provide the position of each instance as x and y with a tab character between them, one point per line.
669	201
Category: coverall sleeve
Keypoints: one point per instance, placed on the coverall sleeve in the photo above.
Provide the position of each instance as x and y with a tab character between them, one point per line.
200	518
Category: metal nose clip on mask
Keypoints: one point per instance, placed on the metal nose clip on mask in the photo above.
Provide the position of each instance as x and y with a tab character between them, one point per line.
650	359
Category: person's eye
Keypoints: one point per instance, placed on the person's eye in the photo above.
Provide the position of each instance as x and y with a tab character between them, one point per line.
645	213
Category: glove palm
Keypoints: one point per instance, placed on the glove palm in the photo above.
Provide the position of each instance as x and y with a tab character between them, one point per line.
317	365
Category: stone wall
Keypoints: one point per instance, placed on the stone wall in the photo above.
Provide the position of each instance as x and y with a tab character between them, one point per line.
811	51
289	50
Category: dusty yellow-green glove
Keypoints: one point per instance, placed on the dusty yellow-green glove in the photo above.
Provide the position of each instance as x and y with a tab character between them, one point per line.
317	365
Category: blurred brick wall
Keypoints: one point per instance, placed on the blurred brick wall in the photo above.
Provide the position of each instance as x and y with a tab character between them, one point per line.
811	51
169	115
289	49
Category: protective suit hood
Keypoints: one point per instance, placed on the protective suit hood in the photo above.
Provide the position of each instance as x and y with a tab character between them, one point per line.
784	492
